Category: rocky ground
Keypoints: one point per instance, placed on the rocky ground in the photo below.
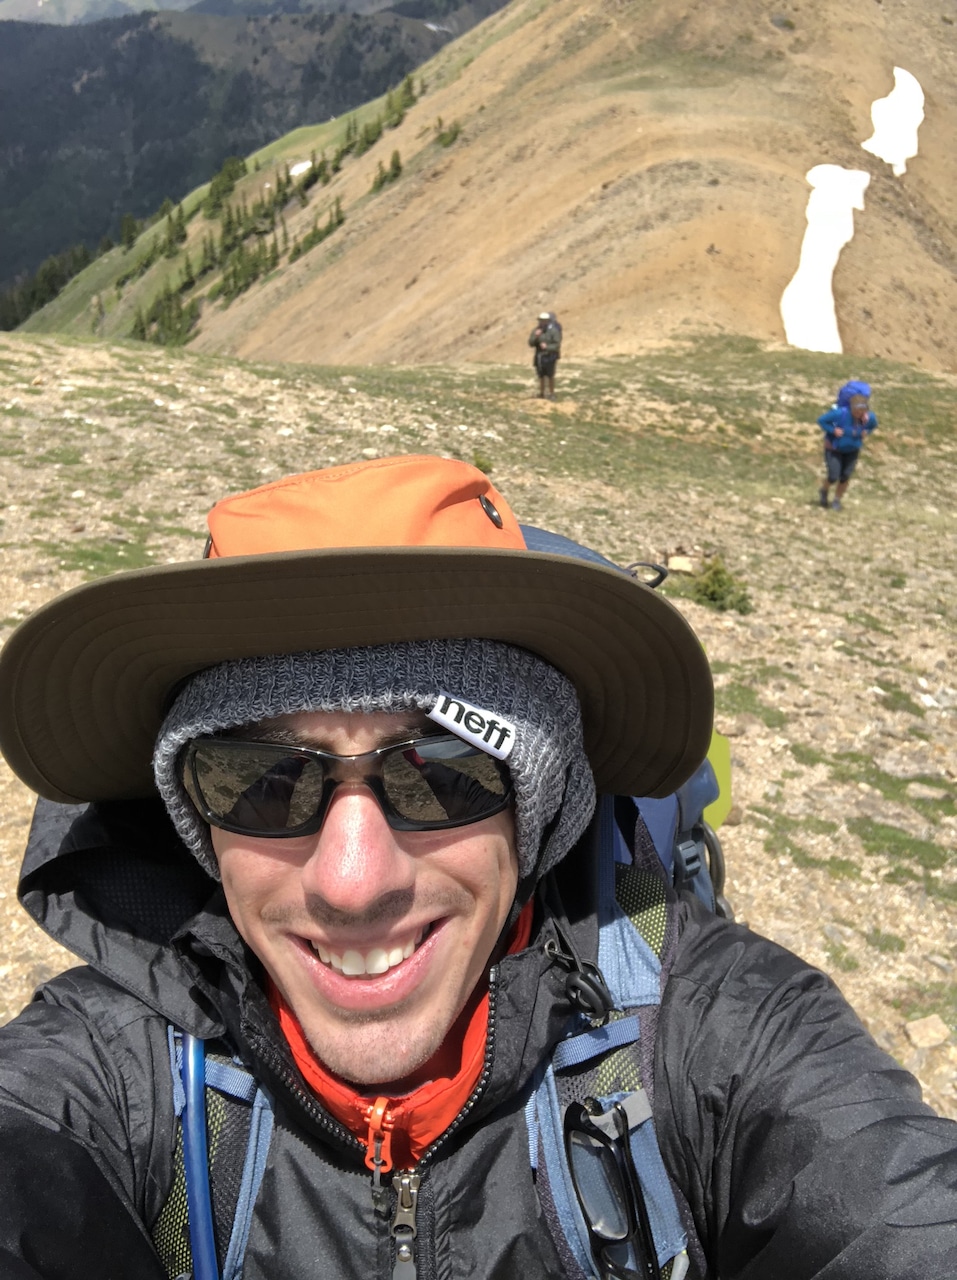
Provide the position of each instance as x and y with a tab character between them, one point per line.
837	691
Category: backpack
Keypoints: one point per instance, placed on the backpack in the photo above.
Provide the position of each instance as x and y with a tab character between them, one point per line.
552	335
643	846
849	390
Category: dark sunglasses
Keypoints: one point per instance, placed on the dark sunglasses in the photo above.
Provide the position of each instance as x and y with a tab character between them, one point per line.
609	1192
263	789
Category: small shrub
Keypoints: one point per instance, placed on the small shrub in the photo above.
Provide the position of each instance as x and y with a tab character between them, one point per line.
384	176
718	588
886	943
445	137
841	958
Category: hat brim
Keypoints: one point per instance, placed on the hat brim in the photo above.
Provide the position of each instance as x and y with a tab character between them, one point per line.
86	681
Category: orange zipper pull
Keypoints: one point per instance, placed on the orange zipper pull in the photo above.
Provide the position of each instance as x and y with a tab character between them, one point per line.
379	1142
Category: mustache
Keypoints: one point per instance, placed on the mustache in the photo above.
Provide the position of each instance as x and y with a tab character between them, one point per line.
390	908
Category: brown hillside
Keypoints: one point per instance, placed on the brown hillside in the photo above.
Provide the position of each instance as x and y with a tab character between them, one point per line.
639	168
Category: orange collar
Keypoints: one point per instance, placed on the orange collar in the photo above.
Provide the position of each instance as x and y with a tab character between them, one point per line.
396	1132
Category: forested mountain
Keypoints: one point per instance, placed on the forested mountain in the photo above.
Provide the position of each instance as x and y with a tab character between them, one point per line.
112	117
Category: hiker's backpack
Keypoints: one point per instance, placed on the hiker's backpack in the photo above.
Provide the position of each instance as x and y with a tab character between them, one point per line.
552	335
849	390
642	846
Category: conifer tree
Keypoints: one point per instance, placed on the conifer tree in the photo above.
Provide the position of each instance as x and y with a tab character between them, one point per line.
129	231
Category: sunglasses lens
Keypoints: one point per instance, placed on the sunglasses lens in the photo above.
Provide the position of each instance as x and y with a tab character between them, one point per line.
255	787
597	1177
443	780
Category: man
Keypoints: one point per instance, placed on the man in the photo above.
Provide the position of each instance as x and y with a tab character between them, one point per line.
546	338
376	722
846	426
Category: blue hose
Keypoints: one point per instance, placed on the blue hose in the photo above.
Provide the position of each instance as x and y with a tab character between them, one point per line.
202	1237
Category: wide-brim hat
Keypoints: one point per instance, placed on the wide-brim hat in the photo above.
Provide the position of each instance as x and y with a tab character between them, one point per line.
397	549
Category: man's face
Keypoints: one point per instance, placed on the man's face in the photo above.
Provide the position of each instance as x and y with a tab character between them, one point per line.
428	904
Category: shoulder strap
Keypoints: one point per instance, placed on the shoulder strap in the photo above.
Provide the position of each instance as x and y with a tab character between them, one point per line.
224	1126
614	1063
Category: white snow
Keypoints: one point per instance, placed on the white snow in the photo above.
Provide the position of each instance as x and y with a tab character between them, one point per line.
807	304
300	167
896	120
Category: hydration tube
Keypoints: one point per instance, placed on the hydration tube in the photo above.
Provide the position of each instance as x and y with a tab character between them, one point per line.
202	1238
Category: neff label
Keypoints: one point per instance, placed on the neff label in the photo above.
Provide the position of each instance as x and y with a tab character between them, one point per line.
481	728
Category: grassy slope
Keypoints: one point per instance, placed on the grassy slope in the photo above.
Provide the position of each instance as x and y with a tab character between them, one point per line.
847	848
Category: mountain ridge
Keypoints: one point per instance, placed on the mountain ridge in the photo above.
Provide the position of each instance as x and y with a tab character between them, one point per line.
640	171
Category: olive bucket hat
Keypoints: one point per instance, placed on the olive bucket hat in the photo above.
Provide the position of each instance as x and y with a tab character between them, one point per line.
396	549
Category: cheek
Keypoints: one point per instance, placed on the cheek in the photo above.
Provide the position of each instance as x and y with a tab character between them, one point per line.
252	876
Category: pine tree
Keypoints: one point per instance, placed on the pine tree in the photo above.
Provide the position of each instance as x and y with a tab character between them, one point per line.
129	231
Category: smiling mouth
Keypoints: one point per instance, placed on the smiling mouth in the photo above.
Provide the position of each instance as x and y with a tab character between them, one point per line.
352	963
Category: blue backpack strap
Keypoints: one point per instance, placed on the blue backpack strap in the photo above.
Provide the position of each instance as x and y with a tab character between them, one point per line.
194	1073
202	1235
604	1062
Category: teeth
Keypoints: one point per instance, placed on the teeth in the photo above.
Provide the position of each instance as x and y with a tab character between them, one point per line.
377	961
354	963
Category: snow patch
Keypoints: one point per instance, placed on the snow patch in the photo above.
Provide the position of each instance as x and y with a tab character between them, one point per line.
896	120
807	304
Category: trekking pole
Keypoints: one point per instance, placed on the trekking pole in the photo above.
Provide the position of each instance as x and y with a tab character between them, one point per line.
202	1239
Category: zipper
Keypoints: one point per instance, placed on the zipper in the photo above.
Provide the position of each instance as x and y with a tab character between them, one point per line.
404	1229
308	1103
406	1184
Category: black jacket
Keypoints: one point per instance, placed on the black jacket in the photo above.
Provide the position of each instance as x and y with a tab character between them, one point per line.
801	1149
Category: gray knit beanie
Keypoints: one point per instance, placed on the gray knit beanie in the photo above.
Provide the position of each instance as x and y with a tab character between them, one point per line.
547	762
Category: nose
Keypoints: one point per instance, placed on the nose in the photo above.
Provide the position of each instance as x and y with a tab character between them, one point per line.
356	863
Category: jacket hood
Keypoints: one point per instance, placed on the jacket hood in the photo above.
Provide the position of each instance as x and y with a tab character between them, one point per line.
130	916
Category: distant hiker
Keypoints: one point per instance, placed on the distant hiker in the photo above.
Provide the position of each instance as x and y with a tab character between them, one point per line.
546	338
846	425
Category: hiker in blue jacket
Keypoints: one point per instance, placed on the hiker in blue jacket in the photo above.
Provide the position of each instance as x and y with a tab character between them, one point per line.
846	426
343	808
